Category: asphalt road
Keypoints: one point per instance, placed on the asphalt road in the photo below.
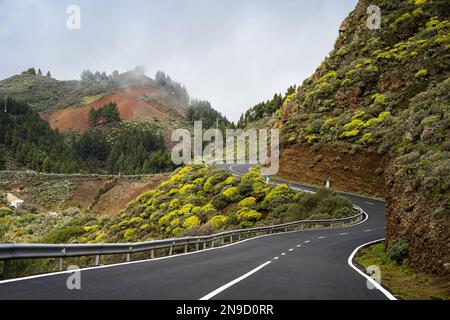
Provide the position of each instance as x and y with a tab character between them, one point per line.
290	266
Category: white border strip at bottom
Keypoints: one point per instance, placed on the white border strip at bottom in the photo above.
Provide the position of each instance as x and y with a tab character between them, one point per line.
372	281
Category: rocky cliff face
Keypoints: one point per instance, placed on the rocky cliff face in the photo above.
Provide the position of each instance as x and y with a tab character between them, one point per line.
385	92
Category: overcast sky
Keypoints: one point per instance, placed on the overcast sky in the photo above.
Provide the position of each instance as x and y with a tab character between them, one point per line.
232	53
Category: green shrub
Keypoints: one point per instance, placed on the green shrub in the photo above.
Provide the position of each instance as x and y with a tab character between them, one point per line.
220	201
248	216
64	234
247	202
331	205
398	250
251	176
350	134
281	194
5	211
231	193
421	73
329	76
215	179
245	188
218	221
356	123
230	180
378	98
192	221
367	138
312	138
129	234
187	188
288	213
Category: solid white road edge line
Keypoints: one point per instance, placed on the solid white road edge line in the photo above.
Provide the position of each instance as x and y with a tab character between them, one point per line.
232	283
372	281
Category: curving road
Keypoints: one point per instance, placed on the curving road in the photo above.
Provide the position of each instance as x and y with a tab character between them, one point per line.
290	266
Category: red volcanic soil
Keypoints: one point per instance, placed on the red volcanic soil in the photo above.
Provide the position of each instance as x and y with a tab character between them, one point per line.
129	101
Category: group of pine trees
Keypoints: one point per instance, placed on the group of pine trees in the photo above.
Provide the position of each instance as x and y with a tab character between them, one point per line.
108	114
175	89
32	71
211	118
131	151
264	109
88	76
32	144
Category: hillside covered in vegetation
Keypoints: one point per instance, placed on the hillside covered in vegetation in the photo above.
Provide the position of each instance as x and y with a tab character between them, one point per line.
66	105
198	200
111	146
381	101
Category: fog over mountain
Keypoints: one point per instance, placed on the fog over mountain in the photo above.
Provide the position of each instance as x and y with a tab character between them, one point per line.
230	52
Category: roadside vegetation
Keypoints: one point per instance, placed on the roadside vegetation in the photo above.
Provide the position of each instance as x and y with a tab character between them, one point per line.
403	281
195	200
198	200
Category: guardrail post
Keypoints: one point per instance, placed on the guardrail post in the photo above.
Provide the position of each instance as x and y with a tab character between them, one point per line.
185	248
152	254
128	257
97	260
170	250
239	237
223	240
212	243
285	229
204	245
231	239
6	265
61	264
196	247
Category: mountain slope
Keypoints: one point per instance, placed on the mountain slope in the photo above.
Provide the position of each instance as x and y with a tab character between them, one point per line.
66	104
374	118
137	104
44	93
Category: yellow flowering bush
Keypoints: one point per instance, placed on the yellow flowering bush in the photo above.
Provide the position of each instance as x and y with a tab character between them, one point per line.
247	202
218	221
192	221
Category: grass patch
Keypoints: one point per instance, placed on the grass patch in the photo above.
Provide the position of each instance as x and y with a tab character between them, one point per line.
402	280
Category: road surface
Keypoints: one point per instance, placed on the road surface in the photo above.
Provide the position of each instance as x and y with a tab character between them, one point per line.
286	266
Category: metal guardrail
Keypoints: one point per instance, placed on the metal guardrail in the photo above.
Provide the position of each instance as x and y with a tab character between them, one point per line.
10	252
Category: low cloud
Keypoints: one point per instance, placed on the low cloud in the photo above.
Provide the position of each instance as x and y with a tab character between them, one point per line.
233	53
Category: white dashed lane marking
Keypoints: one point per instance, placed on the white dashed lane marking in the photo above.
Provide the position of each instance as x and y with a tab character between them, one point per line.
291	249
283	254
276	258
367	230
343	233
307	241
298	246
321	237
